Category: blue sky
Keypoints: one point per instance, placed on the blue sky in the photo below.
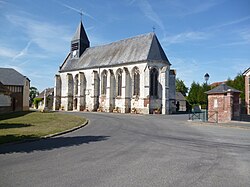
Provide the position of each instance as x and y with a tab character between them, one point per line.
198	36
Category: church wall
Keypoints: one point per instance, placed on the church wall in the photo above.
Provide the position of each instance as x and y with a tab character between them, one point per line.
126	101
110	102
64	101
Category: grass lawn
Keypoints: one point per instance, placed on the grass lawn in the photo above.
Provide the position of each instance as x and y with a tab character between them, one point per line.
28	125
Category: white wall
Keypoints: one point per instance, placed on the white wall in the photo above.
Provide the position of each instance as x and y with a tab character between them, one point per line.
135	102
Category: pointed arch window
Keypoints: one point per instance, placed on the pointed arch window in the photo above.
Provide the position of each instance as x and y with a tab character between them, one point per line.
136	86
119	83
154	82
104	83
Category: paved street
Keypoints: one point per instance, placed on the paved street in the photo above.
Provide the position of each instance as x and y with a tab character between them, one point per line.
132	150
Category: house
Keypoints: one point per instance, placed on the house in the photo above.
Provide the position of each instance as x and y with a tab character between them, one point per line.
181	102
5	99
246	74
130	75
223	104
49	94
18	85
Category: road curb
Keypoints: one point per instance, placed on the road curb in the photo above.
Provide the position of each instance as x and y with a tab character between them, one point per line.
66	131
48	136
198	123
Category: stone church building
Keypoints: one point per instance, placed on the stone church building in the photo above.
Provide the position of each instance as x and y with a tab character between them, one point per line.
127	76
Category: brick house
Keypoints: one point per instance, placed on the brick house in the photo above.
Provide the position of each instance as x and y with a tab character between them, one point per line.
246	74
223	103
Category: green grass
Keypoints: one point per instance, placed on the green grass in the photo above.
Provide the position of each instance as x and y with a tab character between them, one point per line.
29	125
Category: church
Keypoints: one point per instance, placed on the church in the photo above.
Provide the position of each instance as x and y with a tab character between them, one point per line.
128	76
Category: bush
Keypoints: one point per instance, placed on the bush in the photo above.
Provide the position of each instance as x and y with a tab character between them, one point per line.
36	101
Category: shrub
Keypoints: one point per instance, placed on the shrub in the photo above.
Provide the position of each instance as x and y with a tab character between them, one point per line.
36	101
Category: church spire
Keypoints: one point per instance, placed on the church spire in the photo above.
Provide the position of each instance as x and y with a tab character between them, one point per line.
79	42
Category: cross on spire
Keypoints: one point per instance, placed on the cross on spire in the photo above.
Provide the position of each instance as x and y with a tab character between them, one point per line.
153	29
81	13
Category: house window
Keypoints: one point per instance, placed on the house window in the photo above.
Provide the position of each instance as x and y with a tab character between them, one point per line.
136	82
119	83
154	82
104	83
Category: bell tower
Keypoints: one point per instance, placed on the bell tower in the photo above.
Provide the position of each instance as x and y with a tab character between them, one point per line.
79	42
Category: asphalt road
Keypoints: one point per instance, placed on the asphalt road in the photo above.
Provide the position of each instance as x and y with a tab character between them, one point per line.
132	150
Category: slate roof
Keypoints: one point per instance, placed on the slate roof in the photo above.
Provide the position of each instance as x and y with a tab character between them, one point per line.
179	97
136	49
9	76
246	71
50	91
223	88
80	34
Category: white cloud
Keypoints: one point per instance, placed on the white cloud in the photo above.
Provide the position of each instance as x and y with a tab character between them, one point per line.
79	11
148	11
23	52
184	37
49	37
7	52
190	7
233	22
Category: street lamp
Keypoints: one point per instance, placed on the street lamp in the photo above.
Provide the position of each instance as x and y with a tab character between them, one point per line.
206	76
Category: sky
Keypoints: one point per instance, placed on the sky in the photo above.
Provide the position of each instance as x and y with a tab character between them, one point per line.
198	36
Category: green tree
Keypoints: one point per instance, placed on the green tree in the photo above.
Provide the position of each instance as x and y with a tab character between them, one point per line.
181	87
238	83
197	95
193	94
33	93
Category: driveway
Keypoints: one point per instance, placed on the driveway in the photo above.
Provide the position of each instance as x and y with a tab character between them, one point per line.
132	150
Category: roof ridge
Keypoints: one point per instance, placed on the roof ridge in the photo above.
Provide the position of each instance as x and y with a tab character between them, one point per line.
130	38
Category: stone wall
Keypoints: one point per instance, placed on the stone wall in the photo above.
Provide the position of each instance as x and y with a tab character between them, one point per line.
90	98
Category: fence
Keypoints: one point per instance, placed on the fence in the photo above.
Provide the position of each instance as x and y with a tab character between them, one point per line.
243	116
204	116
212	116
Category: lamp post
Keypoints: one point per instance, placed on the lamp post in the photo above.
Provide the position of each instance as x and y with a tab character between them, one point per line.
206	77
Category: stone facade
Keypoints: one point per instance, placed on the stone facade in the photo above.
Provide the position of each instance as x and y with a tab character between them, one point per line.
81	90
47	97
128	76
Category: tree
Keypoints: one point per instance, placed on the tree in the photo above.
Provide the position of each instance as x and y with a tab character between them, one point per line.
238	83
33	93
193	93
197	95
181	87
